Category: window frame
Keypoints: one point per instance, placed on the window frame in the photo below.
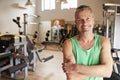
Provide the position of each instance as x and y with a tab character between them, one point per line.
69	4
46	5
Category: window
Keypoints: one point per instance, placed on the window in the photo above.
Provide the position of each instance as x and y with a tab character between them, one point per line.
69	4
48	4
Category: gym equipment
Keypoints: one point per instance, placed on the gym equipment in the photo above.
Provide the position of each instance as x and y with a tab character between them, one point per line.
55	34
63	33
116	65
116	60
32	47
19	54
68	32
47	35
112	13
26	23
9	44
33	51
17	21
55	37
100	29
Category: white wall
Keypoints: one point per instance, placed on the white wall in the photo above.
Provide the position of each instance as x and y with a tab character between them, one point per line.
10	9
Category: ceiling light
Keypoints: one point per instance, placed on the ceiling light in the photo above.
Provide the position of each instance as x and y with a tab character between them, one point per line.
29	3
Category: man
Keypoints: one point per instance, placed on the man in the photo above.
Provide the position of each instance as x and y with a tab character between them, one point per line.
87	56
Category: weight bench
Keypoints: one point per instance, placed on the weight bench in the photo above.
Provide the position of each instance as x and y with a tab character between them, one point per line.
9	44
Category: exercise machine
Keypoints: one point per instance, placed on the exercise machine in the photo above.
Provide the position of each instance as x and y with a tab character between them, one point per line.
116	65
18	53
10	56
112	12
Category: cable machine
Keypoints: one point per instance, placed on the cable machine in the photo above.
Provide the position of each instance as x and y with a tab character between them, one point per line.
26	23
112	14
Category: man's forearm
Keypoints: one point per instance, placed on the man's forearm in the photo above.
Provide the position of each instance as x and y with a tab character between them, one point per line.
96	70
76	76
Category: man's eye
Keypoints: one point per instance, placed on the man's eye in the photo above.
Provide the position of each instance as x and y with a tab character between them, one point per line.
79	20
88	19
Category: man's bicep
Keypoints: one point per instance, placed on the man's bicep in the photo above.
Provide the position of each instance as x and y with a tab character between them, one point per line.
106	57
67	52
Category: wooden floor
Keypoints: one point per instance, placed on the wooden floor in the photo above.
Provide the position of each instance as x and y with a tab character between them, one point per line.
50	70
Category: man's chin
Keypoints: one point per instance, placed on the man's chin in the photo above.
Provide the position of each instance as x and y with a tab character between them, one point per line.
85	29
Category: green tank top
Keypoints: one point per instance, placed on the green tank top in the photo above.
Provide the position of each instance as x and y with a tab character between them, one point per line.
87	57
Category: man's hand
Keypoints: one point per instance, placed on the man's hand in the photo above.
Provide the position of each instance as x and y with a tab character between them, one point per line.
68	66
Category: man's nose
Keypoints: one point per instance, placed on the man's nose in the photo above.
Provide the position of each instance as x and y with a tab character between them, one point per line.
84	22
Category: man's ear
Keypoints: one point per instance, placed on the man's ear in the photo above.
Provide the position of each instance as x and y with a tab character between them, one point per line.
75	22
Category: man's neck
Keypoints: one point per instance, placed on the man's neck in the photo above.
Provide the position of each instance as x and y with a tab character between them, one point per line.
86	37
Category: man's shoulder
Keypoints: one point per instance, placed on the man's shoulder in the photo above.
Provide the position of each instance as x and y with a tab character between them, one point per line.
67	42
104	40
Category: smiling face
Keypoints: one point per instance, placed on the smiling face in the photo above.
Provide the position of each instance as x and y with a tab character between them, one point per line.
84	20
